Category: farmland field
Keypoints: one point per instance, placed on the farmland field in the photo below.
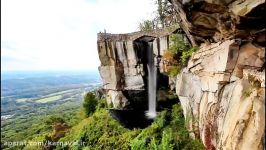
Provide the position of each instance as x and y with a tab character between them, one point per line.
49	99
22	99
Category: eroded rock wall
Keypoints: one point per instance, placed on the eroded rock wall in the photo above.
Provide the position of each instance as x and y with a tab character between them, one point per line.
223	96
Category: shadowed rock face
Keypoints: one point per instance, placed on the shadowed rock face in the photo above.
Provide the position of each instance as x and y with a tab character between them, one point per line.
222	88
131	118
216	20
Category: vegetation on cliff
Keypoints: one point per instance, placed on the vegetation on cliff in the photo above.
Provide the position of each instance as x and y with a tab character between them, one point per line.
101	131
178	54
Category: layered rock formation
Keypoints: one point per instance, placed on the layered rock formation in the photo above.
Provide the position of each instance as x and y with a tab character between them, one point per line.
223	100
222	90
123	65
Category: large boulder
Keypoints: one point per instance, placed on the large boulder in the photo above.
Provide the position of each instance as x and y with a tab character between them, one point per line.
117	99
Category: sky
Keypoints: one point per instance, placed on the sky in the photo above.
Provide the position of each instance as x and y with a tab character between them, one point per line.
62	34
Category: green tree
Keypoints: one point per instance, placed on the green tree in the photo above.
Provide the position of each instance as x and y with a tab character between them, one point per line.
146	25
165	15
89	104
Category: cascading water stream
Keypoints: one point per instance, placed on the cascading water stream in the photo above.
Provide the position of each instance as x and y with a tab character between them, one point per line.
152	82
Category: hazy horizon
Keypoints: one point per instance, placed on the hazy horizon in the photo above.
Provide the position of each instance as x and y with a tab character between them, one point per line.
78	70
34	72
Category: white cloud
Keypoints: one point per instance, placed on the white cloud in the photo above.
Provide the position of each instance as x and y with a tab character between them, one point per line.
61	34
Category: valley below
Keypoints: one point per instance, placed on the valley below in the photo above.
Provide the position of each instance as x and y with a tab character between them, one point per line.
28	99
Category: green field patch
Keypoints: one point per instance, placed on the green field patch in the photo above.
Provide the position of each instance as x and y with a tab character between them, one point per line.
22	100
49	99
61	92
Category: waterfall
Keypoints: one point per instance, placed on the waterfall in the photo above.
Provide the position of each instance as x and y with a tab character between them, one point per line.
152	82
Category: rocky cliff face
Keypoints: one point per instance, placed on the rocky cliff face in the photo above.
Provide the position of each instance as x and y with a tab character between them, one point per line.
222	90
222	93
124	68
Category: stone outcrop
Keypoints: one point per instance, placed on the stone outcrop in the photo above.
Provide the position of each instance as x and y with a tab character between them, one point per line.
222	89
123	64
